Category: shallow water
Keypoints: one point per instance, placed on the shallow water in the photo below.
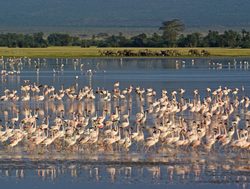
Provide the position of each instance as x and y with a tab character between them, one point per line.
173	168
156	73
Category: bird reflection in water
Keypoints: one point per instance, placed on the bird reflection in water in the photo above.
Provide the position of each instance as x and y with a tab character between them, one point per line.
154	172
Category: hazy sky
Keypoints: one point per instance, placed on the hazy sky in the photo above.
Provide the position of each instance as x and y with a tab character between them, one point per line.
123	12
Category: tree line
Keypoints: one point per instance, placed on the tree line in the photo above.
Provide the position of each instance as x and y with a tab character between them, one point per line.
171	36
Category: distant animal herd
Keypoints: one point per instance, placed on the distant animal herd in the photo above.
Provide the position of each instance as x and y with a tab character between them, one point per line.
148	52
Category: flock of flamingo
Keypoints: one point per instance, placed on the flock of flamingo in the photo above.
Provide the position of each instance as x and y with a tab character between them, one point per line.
131	119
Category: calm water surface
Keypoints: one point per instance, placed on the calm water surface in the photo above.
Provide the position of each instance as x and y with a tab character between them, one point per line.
171	169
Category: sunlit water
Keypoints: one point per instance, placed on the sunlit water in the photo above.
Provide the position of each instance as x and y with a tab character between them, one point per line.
172	168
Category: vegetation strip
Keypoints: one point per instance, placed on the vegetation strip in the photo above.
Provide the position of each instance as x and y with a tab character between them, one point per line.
172	36
53	52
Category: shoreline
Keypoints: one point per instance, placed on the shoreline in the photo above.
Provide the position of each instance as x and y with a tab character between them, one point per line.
94	52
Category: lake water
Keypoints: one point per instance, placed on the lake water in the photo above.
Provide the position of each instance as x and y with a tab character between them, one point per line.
174	168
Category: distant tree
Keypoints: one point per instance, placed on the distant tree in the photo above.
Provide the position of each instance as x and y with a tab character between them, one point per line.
93	37
57	39
231	39
139	40
155	40
29	41
2	40
212	39
76	41
102	35
38	40
86	43
20	41
190	40
117	41
182	41
245	39
193	40
12	39
171	29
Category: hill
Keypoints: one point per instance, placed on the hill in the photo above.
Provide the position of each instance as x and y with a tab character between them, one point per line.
69	14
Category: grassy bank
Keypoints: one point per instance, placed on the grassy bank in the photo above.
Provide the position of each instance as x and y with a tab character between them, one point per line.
95	52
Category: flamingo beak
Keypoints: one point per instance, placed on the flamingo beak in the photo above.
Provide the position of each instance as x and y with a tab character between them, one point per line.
100	126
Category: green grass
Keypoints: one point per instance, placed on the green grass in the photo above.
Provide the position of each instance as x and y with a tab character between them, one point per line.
61	52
